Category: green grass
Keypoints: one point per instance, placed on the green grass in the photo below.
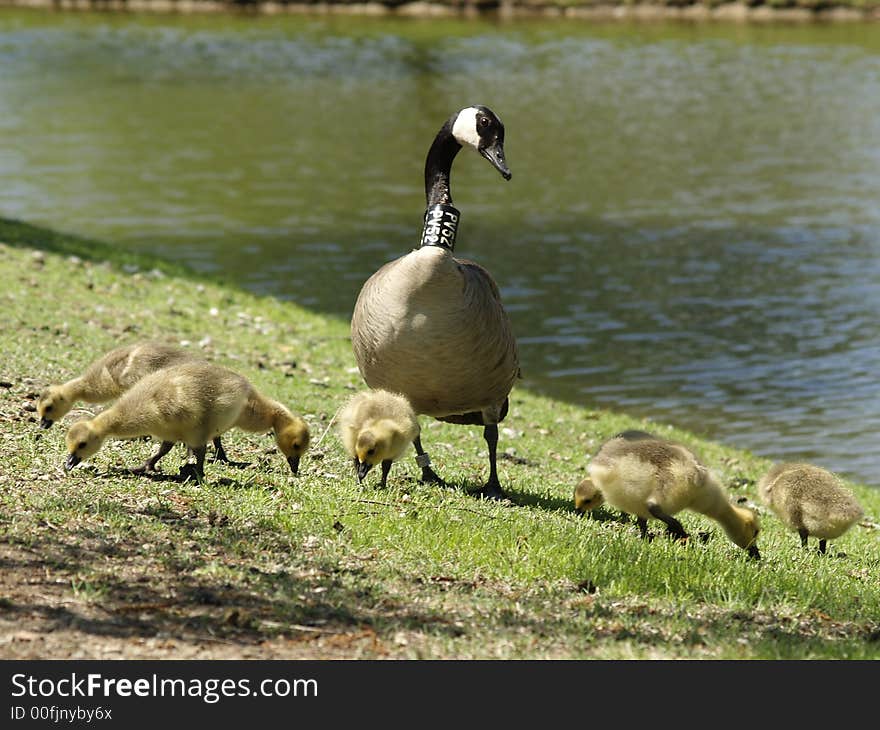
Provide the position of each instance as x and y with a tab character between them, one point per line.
257	562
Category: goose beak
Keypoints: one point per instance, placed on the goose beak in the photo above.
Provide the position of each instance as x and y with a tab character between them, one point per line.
293	461
45	422
362	468
72	461
753	552
495	154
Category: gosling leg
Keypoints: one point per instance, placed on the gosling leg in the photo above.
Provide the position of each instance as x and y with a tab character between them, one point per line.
386	467
149	465
643	527
429	476
822	545
219	451
492	488
196	470
803	533
673	526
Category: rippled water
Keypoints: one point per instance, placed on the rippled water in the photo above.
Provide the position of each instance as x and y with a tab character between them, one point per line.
691	232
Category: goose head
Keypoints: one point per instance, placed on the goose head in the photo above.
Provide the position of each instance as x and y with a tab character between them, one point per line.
83	441
587	496
293	441
52	406
480	128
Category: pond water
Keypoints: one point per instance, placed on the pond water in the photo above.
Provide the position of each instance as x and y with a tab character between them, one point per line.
692	231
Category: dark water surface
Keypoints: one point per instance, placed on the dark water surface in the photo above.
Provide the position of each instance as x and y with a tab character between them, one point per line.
692	231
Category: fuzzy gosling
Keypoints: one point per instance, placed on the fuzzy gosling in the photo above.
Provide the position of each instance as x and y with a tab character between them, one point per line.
651	477
193	403
809	500
377	427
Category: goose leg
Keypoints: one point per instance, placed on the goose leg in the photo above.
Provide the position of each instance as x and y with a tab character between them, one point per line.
492	488
386	467
673	526
150	464
429	476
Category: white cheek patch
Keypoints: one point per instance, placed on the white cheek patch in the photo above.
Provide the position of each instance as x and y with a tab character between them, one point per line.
465	128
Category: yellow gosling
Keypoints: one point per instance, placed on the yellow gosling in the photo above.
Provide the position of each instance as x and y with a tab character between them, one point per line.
650	477
377	427
810	500
108	377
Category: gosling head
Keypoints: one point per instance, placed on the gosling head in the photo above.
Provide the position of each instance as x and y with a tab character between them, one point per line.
587	496
82	442
52	406
375	445
745	532
480	128
293	441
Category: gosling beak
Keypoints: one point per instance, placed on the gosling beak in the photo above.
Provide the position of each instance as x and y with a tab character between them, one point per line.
362	468
753	552
45	422
293	461
495	154
72	461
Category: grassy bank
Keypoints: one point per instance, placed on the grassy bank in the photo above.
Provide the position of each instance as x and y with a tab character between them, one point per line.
259	563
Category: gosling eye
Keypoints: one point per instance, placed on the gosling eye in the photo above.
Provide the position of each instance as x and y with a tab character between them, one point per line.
81	445
48	409
370	452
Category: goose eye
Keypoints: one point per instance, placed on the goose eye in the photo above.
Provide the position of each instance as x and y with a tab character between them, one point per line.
484	122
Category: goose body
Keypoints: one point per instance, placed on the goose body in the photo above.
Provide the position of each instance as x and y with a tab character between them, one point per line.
650	477
809	500
431	326
192	403
377	427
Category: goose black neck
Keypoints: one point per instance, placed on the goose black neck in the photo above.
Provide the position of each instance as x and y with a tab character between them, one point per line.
438	166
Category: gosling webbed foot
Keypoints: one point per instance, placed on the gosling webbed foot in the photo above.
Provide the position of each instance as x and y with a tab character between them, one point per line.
191	471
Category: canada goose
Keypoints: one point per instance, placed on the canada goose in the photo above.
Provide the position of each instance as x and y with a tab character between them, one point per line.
587	496
262	414
809	500
431	326
652	477
376	427
192	402
110	376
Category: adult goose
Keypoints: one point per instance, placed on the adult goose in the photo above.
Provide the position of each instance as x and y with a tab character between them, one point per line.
431	326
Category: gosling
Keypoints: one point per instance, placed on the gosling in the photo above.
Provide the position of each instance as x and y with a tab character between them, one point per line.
192	402
108	377
652	477
810	501
377	427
